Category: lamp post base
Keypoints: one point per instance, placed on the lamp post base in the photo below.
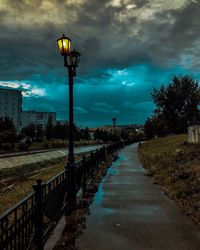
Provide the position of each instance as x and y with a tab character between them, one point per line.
71	183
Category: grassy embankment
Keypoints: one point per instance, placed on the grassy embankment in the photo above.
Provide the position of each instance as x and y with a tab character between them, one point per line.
17	182
175	165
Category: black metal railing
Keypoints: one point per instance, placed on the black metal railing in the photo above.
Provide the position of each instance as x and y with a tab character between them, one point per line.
17	224
28	224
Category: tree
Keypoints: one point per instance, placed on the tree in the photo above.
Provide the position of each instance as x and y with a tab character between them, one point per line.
148	128
85	133
58	131
6	124
155	126
96	134
49	128
40	133
101	135
77	133
65	133
29	130
7	130
124	135
114	137
61	131
177	104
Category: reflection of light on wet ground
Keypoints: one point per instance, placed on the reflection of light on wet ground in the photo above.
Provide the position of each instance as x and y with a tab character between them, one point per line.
98	198
115	165
99	195
120	159
112	171
97	203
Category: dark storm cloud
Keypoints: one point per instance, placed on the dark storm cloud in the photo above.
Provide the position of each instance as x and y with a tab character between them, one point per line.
141	3
97	30
177	39
111	35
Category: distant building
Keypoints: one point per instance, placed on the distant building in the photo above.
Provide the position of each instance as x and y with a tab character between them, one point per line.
11	105
91	133
109	128
37	118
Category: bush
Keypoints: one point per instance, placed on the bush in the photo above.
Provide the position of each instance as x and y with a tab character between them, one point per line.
28	141
1	143
114	137
7	147
48	144
23	146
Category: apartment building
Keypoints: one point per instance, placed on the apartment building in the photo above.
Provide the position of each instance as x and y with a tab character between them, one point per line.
11	105
38	118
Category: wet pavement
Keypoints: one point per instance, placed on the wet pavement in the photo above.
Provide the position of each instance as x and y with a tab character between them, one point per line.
129	212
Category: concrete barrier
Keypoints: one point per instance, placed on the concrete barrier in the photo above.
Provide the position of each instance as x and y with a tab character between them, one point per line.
194	134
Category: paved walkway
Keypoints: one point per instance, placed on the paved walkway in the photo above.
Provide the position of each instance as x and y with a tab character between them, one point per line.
131	213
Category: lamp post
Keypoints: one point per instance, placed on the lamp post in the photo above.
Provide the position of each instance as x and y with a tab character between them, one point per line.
114	123
71	61
36	133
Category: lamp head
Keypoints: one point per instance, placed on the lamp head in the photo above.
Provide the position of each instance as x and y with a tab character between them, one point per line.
74	58
64	45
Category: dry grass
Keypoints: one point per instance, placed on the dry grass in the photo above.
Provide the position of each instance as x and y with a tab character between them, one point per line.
14	189
175	165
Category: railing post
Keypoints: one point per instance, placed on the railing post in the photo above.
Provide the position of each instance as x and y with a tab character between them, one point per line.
92	160
96	158
105	153
84	175
39	220
97	161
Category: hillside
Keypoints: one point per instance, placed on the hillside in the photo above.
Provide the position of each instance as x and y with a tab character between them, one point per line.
175	165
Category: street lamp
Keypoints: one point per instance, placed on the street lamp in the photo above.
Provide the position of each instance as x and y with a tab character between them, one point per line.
71	61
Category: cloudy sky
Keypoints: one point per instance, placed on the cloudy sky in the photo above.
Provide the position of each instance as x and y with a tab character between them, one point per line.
128	47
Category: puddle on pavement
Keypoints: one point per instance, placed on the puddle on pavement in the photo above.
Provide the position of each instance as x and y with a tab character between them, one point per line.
96	206
99	195
98	198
